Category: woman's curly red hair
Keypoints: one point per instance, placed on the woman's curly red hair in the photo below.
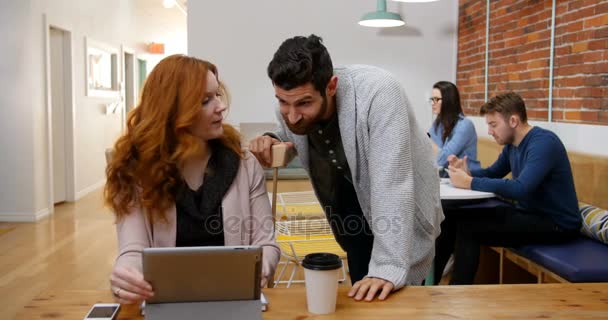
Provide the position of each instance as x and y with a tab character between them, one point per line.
144	170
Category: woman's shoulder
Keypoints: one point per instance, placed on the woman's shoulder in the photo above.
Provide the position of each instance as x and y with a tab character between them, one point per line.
250	165
249	160
465	123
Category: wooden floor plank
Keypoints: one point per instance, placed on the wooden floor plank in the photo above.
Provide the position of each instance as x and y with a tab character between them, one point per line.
73	249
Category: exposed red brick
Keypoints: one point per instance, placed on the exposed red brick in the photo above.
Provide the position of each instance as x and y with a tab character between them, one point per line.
573	5
591	116
580	46
563	93
598	44
592	56
562	50
537	114
601	8
569	82
575	15
519	56
600	33
598	21
588	3
589	92
596	80
557	115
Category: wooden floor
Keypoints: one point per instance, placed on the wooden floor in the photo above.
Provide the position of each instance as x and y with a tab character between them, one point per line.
74	249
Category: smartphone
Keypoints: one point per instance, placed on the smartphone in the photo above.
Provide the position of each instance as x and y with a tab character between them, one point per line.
103	311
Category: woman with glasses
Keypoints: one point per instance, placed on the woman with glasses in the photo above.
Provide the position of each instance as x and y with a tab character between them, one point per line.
451	133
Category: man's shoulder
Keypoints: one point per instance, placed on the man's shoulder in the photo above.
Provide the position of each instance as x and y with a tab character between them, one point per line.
367	80
362	71
540	136
546	142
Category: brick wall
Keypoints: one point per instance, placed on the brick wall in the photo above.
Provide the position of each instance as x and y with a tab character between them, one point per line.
519	50
471	54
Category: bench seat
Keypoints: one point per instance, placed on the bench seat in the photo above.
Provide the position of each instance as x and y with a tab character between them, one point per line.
581	260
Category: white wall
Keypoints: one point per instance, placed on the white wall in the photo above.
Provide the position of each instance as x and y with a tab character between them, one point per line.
161	25
24	187
241	37
106	22
16	118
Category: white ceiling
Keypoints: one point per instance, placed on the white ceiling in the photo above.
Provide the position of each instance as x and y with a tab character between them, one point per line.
170	20
155	23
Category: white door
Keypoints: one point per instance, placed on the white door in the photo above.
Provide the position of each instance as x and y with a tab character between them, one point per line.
129	68
58	101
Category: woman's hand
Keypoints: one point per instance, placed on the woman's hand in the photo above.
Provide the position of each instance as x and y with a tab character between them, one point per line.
128	285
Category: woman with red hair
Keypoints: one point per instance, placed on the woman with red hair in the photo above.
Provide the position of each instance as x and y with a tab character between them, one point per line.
178	176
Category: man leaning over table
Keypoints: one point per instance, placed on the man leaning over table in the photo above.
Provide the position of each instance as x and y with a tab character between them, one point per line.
544	206
369	162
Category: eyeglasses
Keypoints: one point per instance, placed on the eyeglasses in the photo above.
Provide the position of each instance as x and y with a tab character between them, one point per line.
434	100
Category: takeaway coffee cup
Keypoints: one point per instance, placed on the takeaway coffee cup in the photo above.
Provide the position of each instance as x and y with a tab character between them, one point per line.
321	274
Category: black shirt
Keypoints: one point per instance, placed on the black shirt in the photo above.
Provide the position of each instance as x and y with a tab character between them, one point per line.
199	212
331	177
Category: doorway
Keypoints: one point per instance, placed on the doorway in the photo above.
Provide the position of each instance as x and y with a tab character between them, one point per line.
129	80
142	66
60	116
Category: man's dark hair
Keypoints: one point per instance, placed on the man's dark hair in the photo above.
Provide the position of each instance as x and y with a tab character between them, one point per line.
507	104
301	60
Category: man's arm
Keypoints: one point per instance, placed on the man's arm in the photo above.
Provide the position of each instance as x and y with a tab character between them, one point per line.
391	174
540	159
261	146
500	168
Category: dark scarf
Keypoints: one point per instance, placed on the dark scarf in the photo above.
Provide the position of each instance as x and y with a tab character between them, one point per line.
199	213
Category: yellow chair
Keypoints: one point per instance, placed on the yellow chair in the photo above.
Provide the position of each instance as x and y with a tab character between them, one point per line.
298	205
298	237
300	224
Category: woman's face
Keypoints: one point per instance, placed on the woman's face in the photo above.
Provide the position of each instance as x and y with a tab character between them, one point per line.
436	101
211	113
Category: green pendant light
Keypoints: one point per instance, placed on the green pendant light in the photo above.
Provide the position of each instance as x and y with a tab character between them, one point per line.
381	18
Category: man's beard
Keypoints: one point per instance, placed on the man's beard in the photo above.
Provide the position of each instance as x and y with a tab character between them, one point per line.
303	126
509	139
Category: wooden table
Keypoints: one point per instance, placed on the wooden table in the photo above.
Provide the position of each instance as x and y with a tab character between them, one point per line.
523	301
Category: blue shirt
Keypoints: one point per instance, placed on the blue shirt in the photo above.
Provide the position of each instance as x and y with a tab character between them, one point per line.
542	178
461	142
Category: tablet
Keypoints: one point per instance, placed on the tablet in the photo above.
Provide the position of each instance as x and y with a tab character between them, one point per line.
198	274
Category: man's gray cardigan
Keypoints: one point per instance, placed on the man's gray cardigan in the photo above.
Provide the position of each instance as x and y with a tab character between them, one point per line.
393	171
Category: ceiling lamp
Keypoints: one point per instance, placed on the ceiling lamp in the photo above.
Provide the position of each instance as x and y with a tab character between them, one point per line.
168	3
381	18
174	3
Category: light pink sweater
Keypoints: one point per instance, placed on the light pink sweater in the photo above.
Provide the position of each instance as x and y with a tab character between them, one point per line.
247	220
